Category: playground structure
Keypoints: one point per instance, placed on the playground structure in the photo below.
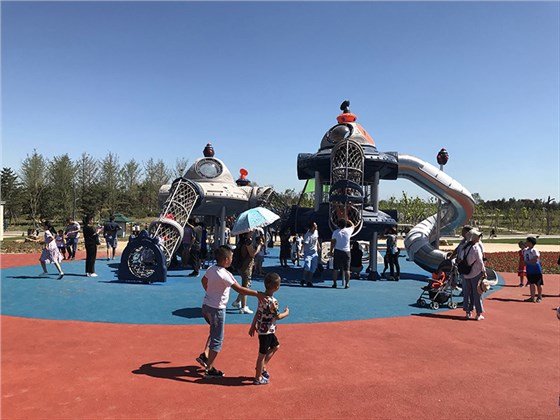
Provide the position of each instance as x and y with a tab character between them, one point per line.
346	171
207	190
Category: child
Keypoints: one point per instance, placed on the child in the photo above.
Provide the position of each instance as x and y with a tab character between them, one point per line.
59	238
356	255
295	252
521	266
264	323
534	269
217	283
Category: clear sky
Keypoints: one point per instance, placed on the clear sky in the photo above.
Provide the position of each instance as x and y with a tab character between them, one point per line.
263	81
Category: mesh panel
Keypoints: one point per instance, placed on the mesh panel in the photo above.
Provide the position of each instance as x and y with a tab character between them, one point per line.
142	262
347	163
177	208
273	202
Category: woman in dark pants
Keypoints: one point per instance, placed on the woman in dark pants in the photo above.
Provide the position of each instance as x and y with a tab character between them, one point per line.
91	238
393	254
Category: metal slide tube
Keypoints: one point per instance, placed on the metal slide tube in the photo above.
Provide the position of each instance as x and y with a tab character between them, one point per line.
458	208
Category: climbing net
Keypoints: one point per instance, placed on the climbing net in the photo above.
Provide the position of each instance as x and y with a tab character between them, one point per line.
347	164
168	228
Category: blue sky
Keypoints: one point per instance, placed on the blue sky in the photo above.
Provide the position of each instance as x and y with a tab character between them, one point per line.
263	81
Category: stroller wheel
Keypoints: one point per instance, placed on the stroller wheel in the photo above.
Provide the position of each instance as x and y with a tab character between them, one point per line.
452	305
421	302
434	305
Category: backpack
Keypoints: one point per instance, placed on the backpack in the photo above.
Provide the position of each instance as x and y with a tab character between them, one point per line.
462	266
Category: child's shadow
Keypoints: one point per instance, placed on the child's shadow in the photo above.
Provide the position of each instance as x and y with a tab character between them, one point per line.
183	373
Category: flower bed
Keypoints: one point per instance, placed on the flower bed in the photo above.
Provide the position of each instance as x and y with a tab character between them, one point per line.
507	262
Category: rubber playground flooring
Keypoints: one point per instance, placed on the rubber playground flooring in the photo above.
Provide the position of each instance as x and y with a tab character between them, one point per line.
98	348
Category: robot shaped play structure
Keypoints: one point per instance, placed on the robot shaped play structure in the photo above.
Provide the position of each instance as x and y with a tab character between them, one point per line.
346	171
207	189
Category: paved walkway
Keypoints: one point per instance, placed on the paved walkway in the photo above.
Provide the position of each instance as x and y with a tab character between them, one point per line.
422	364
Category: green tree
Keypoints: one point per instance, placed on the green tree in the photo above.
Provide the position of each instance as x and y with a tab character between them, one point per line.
32	174
11	194
156	174
129	184
109	182
181	165
88	195
61	175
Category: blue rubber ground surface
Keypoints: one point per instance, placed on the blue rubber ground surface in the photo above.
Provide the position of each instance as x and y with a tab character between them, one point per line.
178	301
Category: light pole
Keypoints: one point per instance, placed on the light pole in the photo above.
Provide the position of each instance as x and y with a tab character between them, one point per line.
442	158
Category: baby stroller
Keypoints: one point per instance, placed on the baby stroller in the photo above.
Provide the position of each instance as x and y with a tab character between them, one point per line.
439	290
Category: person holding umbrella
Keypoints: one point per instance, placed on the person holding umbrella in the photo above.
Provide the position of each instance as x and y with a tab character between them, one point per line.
245	224
248	252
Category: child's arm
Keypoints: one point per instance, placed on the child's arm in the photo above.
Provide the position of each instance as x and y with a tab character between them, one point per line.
253	324
284	314
204	282
249	292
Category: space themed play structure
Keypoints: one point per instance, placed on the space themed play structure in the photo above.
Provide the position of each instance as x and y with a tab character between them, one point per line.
345	171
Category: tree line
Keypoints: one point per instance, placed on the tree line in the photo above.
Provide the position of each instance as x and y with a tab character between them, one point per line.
58	188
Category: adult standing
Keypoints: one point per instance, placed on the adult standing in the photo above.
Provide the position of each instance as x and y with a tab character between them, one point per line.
195	249
534	270
311	248
392	253
340	250
186	244
72	233
285	247
472	254
110	231
459	250
91	240
248	252
50	253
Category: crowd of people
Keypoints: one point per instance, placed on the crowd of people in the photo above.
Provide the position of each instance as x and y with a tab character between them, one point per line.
62	244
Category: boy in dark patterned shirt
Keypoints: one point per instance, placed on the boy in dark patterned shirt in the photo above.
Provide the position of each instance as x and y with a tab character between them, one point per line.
264	323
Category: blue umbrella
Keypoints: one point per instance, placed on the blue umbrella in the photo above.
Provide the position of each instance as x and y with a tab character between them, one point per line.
253	218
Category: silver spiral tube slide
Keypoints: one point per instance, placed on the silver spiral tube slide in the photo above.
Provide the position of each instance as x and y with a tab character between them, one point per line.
458	207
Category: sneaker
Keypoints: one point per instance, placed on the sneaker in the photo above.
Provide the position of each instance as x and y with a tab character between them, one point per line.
92	275
193	274
213	373
108	258
88	274
520	284
245	310
202	360
302	283
539	299
468	315
480	317
265	374
262	381
334	286
236	304
60	276
309	284
531	299
43	274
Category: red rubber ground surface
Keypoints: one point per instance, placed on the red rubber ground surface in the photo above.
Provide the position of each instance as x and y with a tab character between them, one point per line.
436	366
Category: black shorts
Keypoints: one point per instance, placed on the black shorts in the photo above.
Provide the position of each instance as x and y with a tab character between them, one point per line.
267	342
341	260
535	279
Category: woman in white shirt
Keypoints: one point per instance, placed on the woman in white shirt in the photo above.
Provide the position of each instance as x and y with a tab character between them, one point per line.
473	255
